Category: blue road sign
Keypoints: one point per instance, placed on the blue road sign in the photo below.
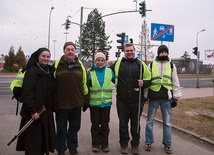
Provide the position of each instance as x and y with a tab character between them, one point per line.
27	57
162	32
126	39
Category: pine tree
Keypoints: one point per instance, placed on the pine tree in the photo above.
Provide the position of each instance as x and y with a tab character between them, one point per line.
147	55
20	58
10	61
185	61
94	37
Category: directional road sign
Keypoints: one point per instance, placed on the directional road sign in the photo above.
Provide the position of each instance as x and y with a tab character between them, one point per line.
27	57
126	39
162	32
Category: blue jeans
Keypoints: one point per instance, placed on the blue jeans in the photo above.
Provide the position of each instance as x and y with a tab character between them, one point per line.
65	133
129	111
166	112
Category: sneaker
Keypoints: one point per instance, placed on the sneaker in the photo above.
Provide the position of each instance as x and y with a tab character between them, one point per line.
105	149
168	150
61	153
74	152
148	147
124	150
135	150
95	149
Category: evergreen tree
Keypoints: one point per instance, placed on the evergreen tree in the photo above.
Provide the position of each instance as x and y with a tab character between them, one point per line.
185	61
94	37
147	55
20	58
10	61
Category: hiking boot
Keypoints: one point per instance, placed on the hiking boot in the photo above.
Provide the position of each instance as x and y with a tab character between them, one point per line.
168	150
74	152
105	149
95	149
148	147
124	150
135	150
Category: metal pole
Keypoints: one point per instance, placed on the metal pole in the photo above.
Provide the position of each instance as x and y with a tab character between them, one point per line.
81	18
197	63
49	27
139	101
54	48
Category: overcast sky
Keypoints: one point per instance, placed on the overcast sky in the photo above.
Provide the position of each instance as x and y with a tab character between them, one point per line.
25	23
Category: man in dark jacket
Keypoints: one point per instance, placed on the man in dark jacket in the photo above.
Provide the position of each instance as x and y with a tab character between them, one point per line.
131	75
71	93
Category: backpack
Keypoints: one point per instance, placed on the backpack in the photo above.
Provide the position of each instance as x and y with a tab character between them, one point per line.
16	87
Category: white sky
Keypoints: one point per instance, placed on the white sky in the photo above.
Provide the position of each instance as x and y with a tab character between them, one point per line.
25	23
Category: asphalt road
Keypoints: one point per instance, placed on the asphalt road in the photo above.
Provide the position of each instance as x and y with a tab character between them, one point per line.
183	144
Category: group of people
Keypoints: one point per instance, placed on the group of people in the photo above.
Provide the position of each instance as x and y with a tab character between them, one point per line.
67	88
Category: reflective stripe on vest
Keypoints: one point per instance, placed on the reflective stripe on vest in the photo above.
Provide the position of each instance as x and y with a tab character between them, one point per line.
18	81
98	94
84	79
165	80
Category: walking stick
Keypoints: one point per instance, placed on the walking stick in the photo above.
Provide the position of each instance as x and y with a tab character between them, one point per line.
139	101
138	121
26	125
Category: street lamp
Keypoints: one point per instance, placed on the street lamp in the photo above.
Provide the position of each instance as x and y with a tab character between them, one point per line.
198	54
49	27
54	48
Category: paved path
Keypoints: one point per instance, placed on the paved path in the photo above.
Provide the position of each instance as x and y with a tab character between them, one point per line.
183	144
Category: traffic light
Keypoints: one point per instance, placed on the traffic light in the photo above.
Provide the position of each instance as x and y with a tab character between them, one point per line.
107	55
142	8
117	54
195	51
67	24
121	41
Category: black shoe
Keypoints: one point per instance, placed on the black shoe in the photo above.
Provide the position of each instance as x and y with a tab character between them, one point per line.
105	149
135	150
61	153
74	152
168	150
148	147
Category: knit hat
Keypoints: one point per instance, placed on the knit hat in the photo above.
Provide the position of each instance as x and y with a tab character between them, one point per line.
100	55
162	48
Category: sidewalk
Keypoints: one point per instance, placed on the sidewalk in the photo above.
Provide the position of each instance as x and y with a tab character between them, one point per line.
196	92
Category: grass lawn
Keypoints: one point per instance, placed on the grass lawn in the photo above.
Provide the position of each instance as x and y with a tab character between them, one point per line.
195	115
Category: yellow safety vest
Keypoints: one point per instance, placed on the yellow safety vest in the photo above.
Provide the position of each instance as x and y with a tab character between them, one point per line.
18	81
165	80
84	79
146	74
98	94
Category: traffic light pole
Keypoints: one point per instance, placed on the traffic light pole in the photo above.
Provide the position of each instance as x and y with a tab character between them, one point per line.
198	54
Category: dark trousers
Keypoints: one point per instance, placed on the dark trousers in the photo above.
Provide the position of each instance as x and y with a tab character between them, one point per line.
65	133
100	126
129	111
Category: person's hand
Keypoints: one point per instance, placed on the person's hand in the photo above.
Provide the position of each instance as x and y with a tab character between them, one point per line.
173	103
85	107
140	83
88	70
35	116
